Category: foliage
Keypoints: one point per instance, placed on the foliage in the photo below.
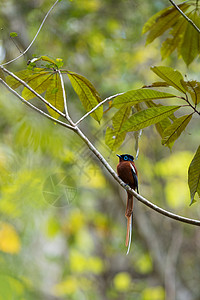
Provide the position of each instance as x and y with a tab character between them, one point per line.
185	38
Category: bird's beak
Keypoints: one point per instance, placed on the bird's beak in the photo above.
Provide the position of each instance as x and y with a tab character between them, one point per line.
118	155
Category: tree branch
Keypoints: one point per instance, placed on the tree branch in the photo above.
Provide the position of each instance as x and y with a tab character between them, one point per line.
186	17
97	153
99	104
14	59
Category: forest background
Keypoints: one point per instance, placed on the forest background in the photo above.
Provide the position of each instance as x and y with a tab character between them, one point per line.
71	245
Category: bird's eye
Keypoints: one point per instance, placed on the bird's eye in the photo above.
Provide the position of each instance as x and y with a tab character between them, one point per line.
125	157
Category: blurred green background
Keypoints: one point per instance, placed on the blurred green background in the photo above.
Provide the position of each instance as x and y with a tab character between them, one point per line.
62	228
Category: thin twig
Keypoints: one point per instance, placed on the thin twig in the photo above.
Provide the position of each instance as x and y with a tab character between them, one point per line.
34	107
186	17
32	90
99	104
14	59
65	100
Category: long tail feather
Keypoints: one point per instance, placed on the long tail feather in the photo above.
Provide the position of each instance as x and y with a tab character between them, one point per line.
128	214
128	230
130	233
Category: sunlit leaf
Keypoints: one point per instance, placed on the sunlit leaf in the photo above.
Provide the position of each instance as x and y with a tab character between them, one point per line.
54	95
87	94
148	117
170	44
193	88
194	176
162	21
170	76
43	58
191	41
114	138
163	124
136	96
24	75
39	83
172	132
183	36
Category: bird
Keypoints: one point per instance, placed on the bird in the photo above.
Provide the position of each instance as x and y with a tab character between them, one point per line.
127	172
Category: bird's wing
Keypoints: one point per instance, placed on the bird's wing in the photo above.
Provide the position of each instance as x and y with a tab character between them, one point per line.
135	177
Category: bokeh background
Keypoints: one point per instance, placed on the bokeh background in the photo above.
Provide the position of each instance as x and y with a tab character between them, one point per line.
62	228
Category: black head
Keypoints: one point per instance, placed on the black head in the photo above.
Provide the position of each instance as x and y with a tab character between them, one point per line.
125	157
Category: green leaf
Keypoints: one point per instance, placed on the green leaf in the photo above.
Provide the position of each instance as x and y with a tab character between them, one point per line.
194	176
24	75
13	34
148	117
190	45
134	97
54	95
120	117
170	44
162	21
87	94
163	124
44	58
14	83
170	76
39	83
183	35
156	84
2	76
193	88
114	138
172	132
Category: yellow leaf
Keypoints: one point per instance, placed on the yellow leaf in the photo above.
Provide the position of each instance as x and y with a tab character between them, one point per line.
9	239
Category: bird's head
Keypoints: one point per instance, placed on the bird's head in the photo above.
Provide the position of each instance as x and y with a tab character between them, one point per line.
125	157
